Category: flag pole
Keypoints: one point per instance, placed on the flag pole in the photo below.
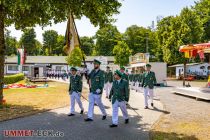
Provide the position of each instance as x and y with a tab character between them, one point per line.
78	39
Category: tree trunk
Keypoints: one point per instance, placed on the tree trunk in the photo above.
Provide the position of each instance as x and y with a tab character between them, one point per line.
2	52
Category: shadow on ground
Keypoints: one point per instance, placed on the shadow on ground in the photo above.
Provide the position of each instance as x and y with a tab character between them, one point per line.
8	112
158	135
74	128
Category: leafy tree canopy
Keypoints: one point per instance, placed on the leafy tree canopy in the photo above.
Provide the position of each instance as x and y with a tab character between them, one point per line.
106	39
122	53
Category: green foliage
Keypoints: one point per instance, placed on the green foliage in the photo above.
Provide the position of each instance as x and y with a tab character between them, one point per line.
75	57
136	38
28	41
202	9
87	45
172	32
107	38
10	79
59	46
50	41
28	13
10	44
122	53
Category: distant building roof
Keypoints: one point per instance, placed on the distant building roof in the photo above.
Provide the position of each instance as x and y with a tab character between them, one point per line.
50	59
182	65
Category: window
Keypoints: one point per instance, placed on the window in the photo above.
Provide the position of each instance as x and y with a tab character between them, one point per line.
12	68
58	68
25	68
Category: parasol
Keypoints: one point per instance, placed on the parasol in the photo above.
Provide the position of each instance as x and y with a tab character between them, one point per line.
204	47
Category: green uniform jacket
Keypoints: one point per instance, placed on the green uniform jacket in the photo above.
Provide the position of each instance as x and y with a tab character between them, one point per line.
75	84
119	91
131	77
108	77
96	81
149	79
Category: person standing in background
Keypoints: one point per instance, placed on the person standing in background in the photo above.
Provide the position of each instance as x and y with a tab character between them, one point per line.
148	83
108	81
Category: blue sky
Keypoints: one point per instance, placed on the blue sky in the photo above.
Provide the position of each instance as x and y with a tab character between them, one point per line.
132	12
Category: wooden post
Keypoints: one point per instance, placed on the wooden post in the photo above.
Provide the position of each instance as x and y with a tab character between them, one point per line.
184	75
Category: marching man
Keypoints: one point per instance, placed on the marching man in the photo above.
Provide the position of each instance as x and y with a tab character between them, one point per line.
75	89
96	82
148	82
125	77
119	97
108	81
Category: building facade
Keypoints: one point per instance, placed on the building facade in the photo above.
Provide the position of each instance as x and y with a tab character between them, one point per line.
36	66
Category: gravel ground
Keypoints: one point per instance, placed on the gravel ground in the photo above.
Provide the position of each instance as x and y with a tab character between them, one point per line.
186	118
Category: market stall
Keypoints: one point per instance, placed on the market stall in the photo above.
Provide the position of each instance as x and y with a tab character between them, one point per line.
192	50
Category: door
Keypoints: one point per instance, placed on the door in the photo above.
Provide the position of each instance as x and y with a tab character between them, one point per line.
36	72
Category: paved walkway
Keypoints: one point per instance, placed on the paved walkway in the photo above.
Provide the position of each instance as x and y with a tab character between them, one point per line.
74	128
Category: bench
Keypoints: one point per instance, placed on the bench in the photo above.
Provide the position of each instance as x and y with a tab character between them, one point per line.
38	79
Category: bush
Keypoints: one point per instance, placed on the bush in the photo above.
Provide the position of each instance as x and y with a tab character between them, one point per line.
10	79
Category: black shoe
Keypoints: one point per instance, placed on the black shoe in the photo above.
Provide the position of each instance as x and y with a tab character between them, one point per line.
126	121
88	120
104	118
146	107
152	104
112	125
82	111
71	114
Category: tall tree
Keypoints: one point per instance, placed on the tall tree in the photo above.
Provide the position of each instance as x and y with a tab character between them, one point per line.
106	39
28	40
59	46
176	31
32	12
50	41
169	39
87	45
202	9
140	39
122	53
10	43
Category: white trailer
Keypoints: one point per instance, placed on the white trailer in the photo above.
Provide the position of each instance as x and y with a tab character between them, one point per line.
160	69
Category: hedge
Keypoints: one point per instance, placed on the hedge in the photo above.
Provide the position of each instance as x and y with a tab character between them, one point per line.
10	79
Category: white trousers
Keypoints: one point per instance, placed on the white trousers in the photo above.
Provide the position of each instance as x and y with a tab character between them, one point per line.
75	96
131	85
92	99
148	94
136	85
123	108
108	87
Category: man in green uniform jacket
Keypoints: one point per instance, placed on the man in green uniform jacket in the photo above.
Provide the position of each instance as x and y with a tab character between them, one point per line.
148	83
108	81
75	89
125	77
96	83
119	96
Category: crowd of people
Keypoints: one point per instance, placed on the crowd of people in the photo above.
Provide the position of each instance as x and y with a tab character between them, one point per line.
117	86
